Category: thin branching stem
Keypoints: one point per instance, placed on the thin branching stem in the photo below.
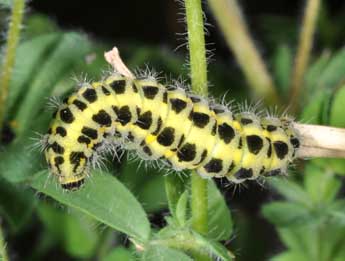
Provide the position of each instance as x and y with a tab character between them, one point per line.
10	53
233	26
303	52
198	72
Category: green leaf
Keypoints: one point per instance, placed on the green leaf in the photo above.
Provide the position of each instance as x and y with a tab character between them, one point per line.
80	236
290	256
322	78
338	252
103	198
74	230
70	51
191	241
18	163
313	111
169	231
174	188
213	248
333	73
133	175
119	254
336	166
320	242
321	185
219	218
291	191
6	3
39	24
28	64
298	239
16	204
146	183
310	240
282	67
20	160
181	209
337	211
336	117
53	220
161	253
315	70
152	195
334	235
286	214
94	63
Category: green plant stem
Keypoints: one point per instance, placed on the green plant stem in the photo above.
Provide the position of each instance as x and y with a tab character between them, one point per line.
199	207
196	43
198	72
3	253
303	52
185	241
199	203
233	26
10	52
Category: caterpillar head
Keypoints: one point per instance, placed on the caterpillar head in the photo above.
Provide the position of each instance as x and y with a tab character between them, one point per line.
70	167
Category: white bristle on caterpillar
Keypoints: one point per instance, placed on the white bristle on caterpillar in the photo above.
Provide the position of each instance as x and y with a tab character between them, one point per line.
171	125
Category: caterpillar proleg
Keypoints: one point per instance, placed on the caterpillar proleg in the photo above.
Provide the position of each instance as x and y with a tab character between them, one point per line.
181	129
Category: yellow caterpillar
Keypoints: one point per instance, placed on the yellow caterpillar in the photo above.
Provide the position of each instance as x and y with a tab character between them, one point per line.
182	129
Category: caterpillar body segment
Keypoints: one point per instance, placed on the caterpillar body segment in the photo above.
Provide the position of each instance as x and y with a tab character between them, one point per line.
182	129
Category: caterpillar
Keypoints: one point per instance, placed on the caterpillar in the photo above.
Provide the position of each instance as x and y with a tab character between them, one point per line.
179	128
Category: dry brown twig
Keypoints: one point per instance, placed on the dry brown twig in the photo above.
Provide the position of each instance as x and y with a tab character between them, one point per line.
320	141
113	58
316	140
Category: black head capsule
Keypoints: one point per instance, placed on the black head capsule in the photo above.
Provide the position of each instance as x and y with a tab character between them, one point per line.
73	186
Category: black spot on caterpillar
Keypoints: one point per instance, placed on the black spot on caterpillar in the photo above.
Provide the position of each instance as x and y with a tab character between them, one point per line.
159	123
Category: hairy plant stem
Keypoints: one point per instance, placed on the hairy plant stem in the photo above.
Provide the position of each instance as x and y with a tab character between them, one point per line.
3	253
303	52
186	241
9	55
198	74
196	44
229	17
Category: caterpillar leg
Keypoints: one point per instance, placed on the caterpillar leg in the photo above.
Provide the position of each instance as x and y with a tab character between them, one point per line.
182	129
